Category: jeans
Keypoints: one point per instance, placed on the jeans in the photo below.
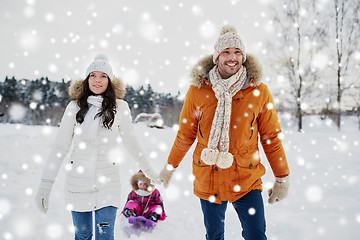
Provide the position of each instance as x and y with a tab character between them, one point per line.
250	210
104	224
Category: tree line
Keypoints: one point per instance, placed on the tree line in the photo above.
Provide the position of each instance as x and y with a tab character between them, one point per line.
42	101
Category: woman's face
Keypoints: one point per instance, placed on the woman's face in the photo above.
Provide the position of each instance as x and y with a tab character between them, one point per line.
98	82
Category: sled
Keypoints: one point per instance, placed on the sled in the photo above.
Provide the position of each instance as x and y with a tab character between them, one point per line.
141	220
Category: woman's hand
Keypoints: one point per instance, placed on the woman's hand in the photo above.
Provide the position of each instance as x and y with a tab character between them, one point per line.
166	174
43	194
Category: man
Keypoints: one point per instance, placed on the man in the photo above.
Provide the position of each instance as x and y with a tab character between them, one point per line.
227	108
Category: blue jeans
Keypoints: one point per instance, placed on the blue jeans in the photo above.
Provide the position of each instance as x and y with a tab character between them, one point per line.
104	224
250	210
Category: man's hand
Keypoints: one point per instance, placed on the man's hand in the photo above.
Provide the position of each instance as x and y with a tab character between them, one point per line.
280	189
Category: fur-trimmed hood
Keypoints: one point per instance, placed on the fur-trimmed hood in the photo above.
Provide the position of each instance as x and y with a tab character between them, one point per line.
140	176
203	67
76	89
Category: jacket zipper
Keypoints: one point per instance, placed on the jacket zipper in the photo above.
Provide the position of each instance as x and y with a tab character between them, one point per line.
251	127
199	124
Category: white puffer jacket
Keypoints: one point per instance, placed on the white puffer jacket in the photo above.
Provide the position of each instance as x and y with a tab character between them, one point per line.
92	178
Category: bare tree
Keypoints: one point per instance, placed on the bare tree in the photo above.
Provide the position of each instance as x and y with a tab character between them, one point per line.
356	99
347	33
300	37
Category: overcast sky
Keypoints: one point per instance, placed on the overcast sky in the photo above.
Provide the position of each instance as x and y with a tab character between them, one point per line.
147	41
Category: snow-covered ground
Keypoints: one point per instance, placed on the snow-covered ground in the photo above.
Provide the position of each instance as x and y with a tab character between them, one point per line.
323	201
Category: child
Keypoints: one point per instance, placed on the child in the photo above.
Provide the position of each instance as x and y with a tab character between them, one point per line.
144	199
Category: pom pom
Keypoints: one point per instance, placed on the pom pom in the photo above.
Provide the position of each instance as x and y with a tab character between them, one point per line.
102	57
227	29
209	156
225	160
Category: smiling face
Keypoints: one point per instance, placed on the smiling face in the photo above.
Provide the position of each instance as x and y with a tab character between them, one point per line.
98	82
229	62
142	186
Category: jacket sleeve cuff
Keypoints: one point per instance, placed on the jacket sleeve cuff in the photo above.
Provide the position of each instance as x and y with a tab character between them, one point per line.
46	184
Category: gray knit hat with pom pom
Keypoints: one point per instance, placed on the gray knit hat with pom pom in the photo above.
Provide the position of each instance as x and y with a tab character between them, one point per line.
101	64
228	38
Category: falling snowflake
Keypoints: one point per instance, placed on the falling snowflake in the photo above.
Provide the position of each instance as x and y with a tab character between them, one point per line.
52	68
131	76
29	12
29	40
17	111
252	211
313	194
5	207
153	155
49	17
172	193
208	29
197	11
54	231
150	30
320	61
23	226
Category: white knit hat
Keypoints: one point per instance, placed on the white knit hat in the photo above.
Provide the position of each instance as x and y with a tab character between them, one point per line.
228	38
138	182
101	64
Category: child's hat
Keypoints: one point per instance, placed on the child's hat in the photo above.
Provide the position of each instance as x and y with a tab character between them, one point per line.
140	177
138	182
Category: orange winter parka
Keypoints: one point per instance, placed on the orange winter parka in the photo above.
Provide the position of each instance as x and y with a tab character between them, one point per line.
253	115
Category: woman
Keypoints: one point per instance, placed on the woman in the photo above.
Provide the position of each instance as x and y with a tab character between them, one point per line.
94	122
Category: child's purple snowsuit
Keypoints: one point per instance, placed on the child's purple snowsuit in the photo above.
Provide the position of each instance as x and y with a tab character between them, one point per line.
143	205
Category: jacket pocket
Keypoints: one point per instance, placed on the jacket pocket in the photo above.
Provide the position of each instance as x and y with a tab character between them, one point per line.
248	158
203	174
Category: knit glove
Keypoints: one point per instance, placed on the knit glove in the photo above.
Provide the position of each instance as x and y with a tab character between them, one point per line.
280	189
166	174
42	195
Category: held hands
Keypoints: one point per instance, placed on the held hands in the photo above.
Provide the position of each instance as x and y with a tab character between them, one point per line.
42	196
166	174
280	189
153	176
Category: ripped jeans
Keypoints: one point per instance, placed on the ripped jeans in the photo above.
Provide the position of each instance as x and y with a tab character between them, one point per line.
104	224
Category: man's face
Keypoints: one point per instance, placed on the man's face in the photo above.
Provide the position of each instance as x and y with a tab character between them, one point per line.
229	62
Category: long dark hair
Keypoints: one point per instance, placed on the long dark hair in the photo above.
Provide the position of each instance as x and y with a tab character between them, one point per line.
108	109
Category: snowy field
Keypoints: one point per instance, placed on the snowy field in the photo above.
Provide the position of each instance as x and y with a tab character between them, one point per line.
323	202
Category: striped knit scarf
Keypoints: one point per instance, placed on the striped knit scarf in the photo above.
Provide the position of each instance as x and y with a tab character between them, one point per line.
217	151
